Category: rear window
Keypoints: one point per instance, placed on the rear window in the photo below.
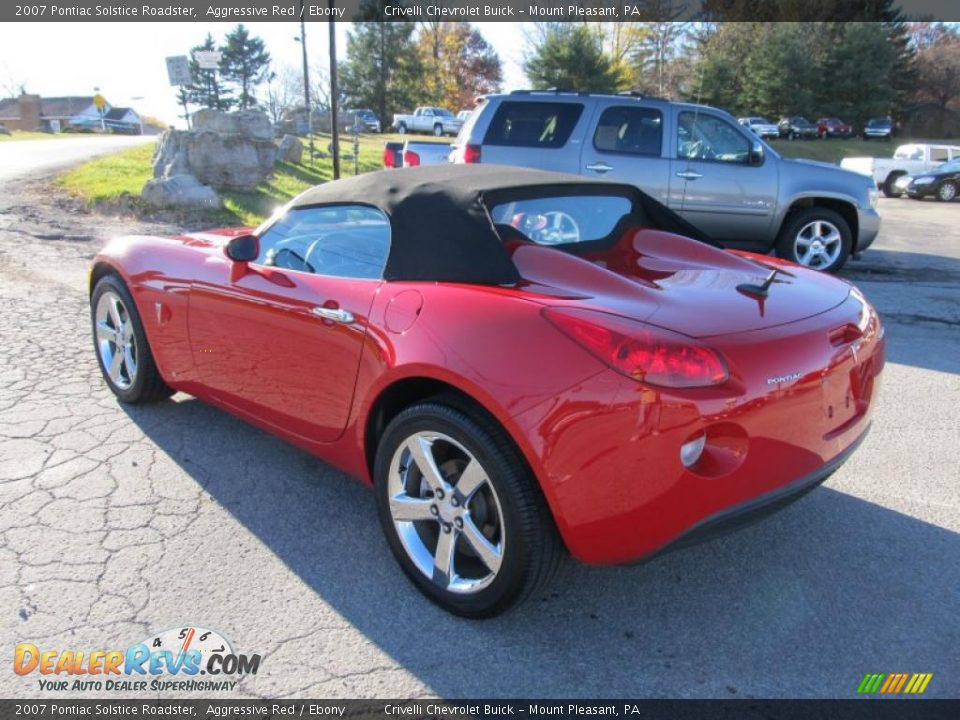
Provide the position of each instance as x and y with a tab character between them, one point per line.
630	130
565	219
533	124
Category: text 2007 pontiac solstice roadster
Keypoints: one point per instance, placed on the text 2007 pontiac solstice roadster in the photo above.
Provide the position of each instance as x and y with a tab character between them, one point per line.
520	363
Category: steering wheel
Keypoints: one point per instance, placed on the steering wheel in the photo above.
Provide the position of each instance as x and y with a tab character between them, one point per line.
559	228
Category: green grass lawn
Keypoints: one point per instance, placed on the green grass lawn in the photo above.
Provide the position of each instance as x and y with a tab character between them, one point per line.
833	151
117	179
111	177
26	135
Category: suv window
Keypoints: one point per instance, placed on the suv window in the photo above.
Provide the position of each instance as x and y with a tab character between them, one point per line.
633	130
939	154
707	137
533	124
350	241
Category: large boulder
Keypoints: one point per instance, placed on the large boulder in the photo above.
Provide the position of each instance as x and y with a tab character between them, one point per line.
181	191
291	149
228	151
252	124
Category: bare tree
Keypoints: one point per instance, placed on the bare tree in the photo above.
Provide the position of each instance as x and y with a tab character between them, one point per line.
284	92
11	84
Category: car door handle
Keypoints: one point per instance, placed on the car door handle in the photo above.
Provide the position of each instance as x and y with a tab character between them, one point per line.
338	315
689	175
600	167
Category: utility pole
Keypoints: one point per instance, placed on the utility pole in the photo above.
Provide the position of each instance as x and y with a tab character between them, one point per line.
306	83
334	104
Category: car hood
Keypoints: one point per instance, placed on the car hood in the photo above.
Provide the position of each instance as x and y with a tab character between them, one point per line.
680	284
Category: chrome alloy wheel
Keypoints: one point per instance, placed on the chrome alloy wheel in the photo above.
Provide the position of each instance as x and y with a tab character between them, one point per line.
116	341
446	512
818	244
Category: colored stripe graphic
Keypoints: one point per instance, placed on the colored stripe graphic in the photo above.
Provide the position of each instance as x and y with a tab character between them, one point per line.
894	683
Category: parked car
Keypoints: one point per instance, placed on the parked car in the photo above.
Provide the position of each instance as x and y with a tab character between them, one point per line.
878	129
833	128
797	128
425	153
392	154
912	159
941	183
433	120
366	120
760	126
695	159
4	130
412	153
520	364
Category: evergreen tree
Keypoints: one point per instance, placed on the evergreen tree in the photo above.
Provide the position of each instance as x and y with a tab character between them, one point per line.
207	88
382	70
571	57
245	63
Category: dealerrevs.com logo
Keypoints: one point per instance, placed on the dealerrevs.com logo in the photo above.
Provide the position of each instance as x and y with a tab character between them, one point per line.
170	661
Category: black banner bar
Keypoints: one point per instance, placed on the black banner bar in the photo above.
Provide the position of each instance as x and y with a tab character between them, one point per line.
863	709
475	10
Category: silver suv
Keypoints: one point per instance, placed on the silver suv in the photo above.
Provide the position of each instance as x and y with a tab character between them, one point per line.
695	159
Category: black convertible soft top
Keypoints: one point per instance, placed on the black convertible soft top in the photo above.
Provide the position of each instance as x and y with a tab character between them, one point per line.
440	228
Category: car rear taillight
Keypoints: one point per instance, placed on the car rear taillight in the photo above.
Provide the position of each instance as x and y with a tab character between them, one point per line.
389	157
410	158
471	153
642	352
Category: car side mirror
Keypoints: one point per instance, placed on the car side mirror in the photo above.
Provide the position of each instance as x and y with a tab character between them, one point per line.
756	154
241	250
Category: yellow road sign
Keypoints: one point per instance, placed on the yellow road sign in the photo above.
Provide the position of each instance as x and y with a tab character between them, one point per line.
100	101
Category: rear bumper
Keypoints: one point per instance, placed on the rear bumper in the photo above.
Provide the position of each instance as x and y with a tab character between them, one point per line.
758	508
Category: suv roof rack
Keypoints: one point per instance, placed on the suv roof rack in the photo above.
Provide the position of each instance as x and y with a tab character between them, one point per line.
587	93
552	91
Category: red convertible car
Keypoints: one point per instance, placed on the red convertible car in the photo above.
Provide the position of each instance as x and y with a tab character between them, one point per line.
521	364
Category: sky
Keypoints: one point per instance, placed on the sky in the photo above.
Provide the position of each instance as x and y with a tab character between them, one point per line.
126	60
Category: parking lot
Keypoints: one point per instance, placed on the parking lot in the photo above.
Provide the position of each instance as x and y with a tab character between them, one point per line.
119	522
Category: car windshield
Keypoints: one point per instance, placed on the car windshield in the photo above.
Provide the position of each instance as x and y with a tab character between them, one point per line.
801	121
562	220
440	112
759	121
878	123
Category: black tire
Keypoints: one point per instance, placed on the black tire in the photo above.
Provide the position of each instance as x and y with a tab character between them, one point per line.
947	191
402	129
532	550
438	130
795	222
147	385
889	189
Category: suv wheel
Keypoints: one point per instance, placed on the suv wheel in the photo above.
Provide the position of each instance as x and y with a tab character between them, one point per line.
401	129
438	130
461	510
817	238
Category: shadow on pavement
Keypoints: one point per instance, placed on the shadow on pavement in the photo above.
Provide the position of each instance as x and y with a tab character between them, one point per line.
802	604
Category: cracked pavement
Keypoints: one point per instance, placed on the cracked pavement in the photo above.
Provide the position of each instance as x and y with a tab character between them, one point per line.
119	522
